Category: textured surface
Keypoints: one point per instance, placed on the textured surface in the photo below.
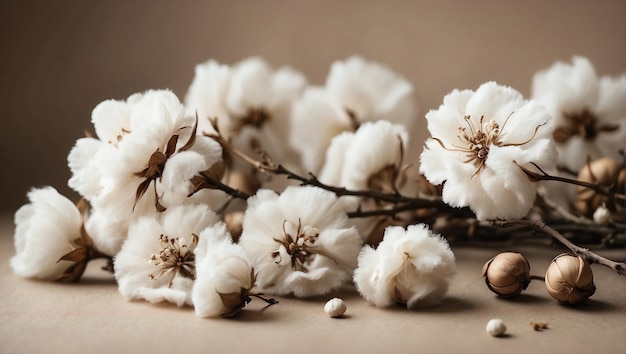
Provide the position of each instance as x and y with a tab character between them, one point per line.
91	316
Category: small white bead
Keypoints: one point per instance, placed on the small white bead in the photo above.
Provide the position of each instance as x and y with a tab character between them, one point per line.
496	327
601	215
335	307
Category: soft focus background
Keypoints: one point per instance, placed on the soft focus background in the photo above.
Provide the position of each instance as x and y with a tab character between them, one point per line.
59	59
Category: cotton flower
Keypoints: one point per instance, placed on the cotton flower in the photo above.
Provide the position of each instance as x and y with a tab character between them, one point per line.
479	141
369	158
107	235
251	101
157	262
356	91
589	111
224	279
45	229
299	242
411	267
145	154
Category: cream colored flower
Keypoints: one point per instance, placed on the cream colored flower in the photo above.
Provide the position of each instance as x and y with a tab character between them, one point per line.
478	142
411	267
225	279
44	231
356	91
251	101
143	158
157	262
589	111
299	242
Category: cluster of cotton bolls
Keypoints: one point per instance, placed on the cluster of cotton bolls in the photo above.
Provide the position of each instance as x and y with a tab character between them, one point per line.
159	176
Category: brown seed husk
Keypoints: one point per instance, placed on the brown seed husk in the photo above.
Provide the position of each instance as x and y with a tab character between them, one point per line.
507	274
604	172
569	279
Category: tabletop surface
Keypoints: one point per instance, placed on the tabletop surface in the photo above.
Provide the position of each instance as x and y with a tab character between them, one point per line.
91	316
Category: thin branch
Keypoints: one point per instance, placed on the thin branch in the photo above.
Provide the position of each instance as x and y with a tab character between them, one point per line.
216	184
267	165
540	226
544	176
408	206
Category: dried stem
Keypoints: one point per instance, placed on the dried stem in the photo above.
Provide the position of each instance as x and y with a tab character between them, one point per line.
540	226
267	165
544	176
214	183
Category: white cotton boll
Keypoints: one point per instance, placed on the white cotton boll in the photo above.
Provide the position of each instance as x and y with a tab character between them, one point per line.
44	230
372	91
154	269
206	95
221	269
107	235
290	258
375	146
85	171
335	158
178	170
479	141
132	174
496	327
316	118
335	307
287	85
566	87
412	267
111	120
571	91
249	86
366	90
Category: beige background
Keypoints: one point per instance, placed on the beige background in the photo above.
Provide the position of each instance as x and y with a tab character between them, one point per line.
58	59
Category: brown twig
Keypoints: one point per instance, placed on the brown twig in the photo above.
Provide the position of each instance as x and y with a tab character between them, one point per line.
267	165
544	176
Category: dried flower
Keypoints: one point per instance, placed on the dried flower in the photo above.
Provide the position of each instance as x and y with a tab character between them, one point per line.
370	159
479	140
157	261
569	279
589	111
249	96
300	241
411	267
45	229
507	274
496	327
356	91
335	307
143	158
604	172
224	278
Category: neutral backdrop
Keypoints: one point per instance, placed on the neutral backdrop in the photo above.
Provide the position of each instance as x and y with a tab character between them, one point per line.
58	59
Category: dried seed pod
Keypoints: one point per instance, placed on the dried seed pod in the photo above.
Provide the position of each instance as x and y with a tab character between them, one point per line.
569	279
507	274
604	172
